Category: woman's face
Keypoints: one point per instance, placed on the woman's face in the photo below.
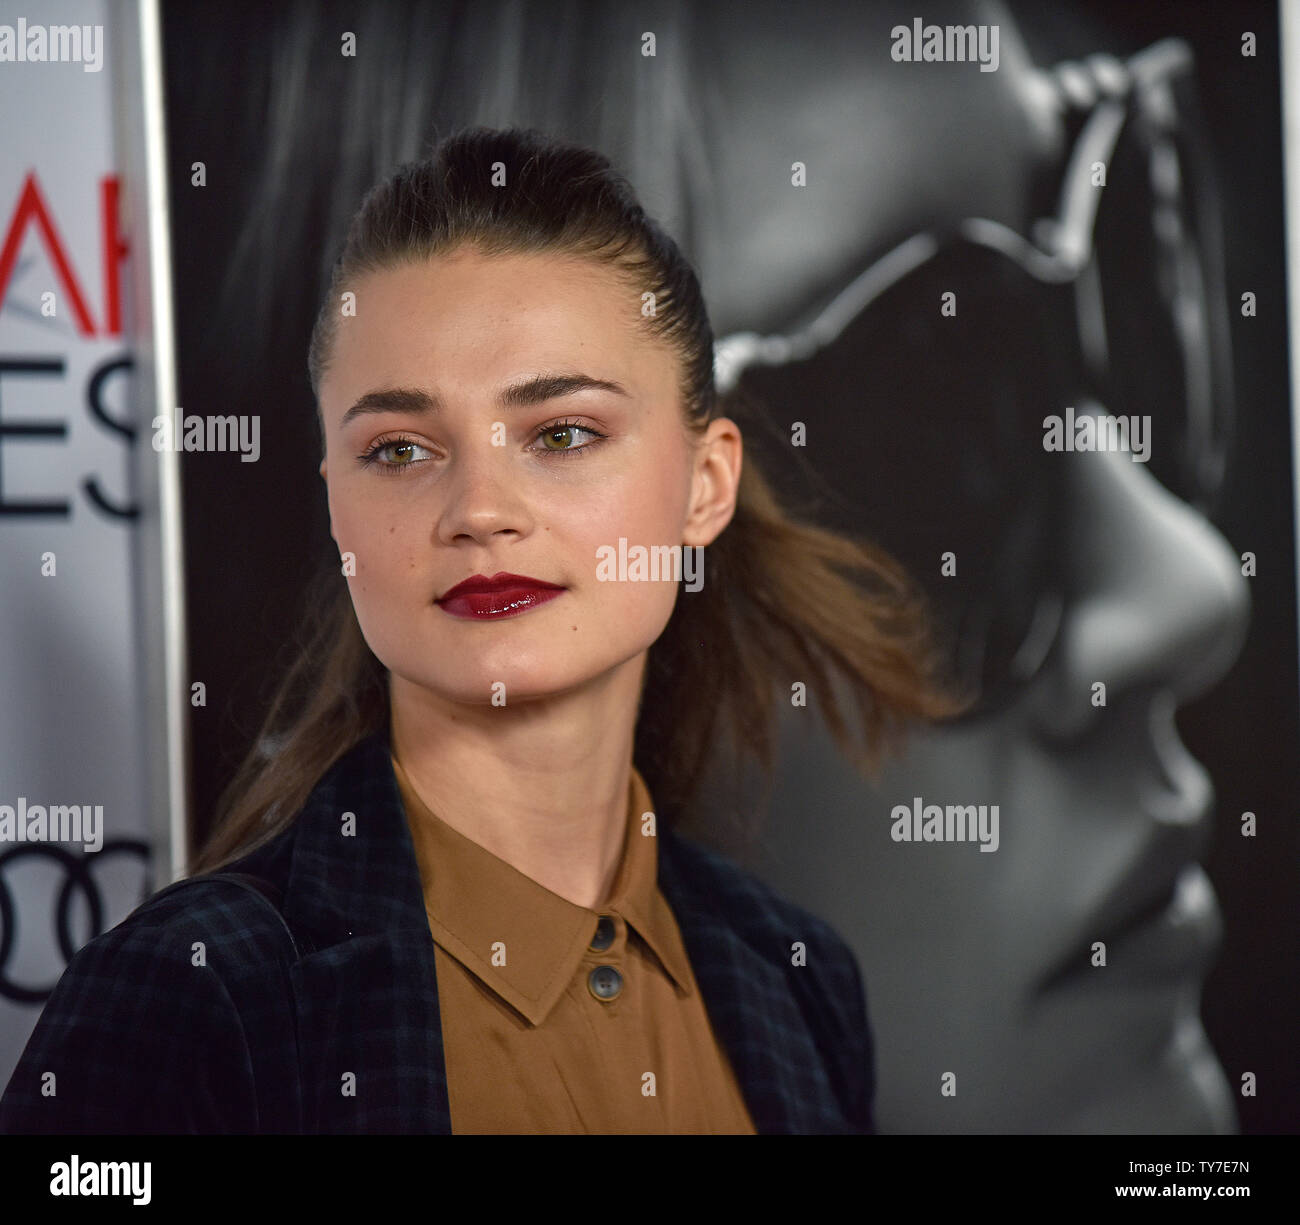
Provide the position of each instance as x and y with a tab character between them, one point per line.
462	482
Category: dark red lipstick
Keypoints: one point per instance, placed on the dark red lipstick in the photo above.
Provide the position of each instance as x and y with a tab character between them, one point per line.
502	595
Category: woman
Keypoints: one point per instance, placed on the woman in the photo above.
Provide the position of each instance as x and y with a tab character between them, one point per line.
478	918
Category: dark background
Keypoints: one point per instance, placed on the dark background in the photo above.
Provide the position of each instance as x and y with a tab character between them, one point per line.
255	534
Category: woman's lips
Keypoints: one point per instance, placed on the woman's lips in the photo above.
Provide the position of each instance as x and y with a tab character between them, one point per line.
503	595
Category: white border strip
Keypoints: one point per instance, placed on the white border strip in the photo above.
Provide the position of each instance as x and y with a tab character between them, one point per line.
1289	21
174	827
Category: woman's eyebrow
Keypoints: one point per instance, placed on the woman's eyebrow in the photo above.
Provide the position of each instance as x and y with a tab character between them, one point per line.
535	390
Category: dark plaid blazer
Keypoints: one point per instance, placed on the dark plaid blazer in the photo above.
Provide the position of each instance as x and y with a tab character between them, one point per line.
197	1013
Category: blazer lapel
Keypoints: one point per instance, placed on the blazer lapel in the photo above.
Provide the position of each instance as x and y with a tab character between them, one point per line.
370	1033
749	1002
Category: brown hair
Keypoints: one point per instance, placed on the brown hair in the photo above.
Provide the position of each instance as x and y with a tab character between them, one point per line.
783	600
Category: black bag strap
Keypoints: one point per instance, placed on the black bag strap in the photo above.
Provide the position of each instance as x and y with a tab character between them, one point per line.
267	890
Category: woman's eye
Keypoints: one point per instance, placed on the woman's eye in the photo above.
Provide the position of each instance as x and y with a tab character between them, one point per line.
392	455
561	439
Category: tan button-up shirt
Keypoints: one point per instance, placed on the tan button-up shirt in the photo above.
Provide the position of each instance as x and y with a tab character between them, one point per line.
543	1030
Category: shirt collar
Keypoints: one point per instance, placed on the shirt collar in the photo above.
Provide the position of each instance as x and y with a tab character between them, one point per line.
480	907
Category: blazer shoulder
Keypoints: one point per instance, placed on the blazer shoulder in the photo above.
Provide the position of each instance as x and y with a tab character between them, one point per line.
147	1029
816	962
752	905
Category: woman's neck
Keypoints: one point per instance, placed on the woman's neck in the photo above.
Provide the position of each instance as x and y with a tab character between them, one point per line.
541	784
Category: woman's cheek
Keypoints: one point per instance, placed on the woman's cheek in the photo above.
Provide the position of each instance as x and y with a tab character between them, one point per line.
648	510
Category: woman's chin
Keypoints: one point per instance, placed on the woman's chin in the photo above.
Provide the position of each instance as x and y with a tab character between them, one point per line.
503	688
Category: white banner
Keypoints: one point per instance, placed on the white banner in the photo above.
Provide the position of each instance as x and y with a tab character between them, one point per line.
83	755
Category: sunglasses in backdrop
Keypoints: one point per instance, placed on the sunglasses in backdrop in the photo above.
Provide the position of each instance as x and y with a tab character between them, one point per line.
926	430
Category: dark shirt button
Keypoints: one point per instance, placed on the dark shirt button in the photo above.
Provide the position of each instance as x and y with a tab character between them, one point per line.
604	936
605	982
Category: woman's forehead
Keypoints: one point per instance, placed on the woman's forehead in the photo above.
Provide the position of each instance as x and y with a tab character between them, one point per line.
465	326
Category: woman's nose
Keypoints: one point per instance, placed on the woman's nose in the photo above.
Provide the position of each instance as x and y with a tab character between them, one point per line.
479	496
1157	596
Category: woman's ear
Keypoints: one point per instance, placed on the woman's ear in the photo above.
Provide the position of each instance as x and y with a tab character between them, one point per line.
714	486
324	476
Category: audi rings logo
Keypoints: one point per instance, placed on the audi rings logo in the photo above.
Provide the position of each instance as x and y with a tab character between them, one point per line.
78	879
